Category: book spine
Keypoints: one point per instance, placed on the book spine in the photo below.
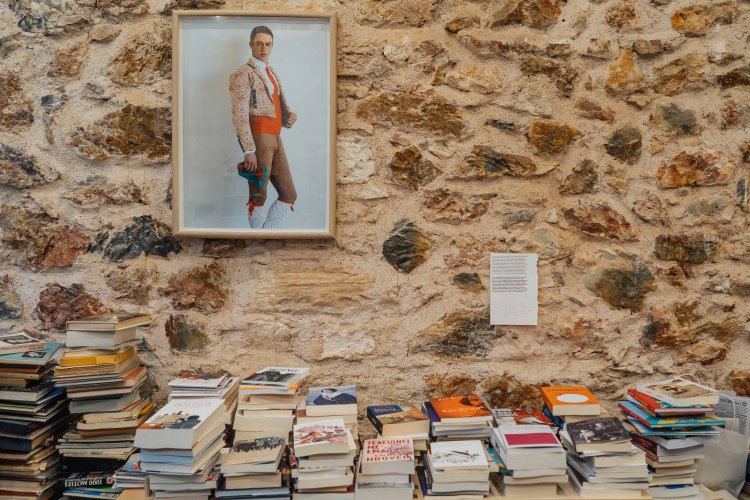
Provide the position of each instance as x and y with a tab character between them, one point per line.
88	482
557	420
644	444
374	420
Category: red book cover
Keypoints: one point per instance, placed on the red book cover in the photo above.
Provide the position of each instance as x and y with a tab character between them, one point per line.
535	439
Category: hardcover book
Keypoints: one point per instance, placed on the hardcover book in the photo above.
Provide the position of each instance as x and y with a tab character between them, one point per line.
466	408
458	455
88	480
19	342
386	456
570	400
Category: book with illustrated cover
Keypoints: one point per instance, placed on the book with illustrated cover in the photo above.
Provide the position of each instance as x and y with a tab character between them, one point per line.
397	420
386	456
109	321
331	400
11	343
679	392
199	379
321	436
656	407
468	408
597	430
520	416
254	455
180	423
570	400
275	376
447	455
637	412
36	357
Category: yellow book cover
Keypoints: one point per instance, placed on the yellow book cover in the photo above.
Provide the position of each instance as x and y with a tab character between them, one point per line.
99	359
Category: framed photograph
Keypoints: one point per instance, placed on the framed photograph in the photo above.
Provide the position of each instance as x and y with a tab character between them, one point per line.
254	124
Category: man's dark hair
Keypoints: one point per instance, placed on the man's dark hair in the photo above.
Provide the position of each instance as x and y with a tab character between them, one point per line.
260	29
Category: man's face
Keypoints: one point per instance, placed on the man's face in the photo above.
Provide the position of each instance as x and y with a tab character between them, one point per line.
261	46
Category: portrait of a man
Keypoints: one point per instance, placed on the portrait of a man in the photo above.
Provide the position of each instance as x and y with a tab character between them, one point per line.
259	111
254	134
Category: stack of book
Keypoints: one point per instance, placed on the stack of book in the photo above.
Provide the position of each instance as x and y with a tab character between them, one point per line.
267	400
401	421
456	469
199	384
532	460
521	416
180	446
459	418
130	476
602	462
103	376
33	413
256	466
385	469
667	420
567	404
324	403
323	461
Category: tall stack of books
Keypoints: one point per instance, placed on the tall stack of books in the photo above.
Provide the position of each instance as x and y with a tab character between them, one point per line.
666	420
180	446
267	400
567	404
458	468
324	403
385	469
103	376
401	421
532	459
199	384
459	418
33	413
602	462
323	461
256	466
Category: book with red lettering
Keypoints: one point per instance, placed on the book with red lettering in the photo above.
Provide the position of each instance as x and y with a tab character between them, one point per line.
388	456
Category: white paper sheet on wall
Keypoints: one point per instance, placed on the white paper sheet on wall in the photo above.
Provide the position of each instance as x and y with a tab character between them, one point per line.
513	289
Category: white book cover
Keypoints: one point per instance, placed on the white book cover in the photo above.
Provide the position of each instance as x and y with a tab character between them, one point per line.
199	381
179	424
320	431
276	376
458	455
526	436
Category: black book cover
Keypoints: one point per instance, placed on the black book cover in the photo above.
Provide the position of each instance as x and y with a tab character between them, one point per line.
76	464
19	427
597	430
88	480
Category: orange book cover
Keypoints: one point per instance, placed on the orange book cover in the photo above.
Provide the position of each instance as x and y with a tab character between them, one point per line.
467	406
567	395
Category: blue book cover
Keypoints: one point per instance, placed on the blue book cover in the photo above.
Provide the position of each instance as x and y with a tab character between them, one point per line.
36	357
556	419
667	422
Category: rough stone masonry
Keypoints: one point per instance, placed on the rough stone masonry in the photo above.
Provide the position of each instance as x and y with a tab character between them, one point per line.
612	137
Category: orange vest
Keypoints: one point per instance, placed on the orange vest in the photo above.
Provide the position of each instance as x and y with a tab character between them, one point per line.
266	124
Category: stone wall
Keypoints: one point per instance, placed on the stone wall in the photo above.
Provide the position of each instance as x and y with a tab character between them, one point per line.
612	137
